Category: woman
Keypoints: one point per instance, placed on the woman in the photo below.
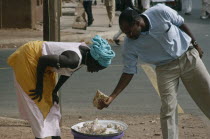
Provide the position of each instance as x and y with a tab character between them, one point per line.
35	64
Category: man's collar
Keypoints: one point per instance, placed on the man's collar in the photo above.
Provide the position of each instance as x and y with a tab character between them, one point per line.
145	17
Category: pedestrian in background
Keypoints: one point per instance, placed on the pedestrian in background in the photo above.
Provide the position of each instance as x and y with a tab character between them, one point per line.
95	2
87	4
35	64
110	8
160	37
205	11
124	5
187	7
145	4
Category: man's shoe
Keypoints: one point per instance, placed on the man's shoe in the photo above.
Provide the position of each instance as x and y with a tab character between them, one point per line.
187	13
110	24
90	22
205	16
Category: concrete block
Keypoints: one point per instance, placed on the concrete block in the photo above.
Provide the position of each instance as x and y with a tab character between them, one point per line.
79	25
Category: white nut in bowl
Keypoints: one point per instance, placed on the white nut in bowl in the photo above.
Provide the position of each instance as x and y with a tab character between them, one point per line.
119	128
92	128
110	125
100	128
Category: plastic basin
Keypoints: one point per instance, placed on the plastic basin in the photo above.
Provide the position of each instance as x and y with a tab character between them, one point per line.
82	136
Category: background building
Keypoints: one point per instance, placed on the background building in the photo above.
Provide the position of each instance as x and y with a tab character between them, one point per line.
20	13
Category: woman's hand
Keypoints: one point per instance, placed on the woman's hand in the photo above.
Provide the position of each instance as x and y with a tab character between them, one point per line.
105	103
36	94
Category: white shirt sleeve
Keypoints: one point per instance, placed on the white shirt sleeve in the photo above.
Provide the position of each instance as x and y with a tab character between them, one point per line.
172	16
130	60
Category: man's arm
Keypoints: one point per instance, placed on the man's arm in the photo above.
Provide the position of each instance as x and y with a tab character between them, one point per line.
184	28
122	84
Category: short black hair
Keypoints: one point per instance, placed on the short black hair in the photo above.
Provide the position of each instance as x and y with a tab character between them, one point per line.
93	63
129	16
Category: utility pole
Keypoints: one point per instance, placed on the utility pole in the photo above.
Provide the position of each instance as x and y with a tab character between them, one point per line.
51	20
51	27
1	13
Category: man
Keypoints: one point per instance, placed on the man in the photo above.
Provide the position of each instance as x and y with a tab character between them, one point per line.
159	36
110	8
187	7
205	10
87	4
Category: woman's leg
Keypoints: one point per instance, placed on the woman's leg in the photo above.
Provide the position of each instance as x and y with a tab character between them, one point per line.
53	137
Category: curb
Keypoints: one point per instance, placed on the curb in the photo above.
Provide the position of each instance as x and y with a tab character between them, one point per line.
67	38
5	121
87	37
19	123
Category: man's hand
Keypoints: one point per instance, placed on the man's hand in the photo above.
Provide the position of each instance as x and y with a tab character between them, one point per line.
37	94
105	103
55	97
200	51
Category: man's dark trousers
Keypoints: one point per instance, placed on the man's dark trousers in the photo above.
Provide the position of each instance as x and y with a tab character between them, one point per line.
88	9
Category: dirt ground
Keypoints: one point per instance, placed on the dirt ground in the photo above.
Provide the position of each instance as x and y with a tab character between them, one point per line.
139	126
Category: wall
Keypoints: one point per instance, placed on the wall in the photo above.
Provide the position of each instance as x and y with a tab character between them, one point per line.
38	17
20	13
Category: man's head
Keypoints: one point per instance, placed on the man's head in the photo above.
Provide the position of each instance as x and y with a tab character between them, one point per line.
100	55
130	24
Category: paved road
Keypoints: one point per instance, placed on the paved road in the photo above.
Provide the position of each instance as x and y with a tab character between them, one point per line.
140	97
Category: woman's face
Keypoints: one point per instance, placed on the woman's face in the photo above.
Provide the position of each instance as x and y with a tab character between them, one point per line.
93	65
